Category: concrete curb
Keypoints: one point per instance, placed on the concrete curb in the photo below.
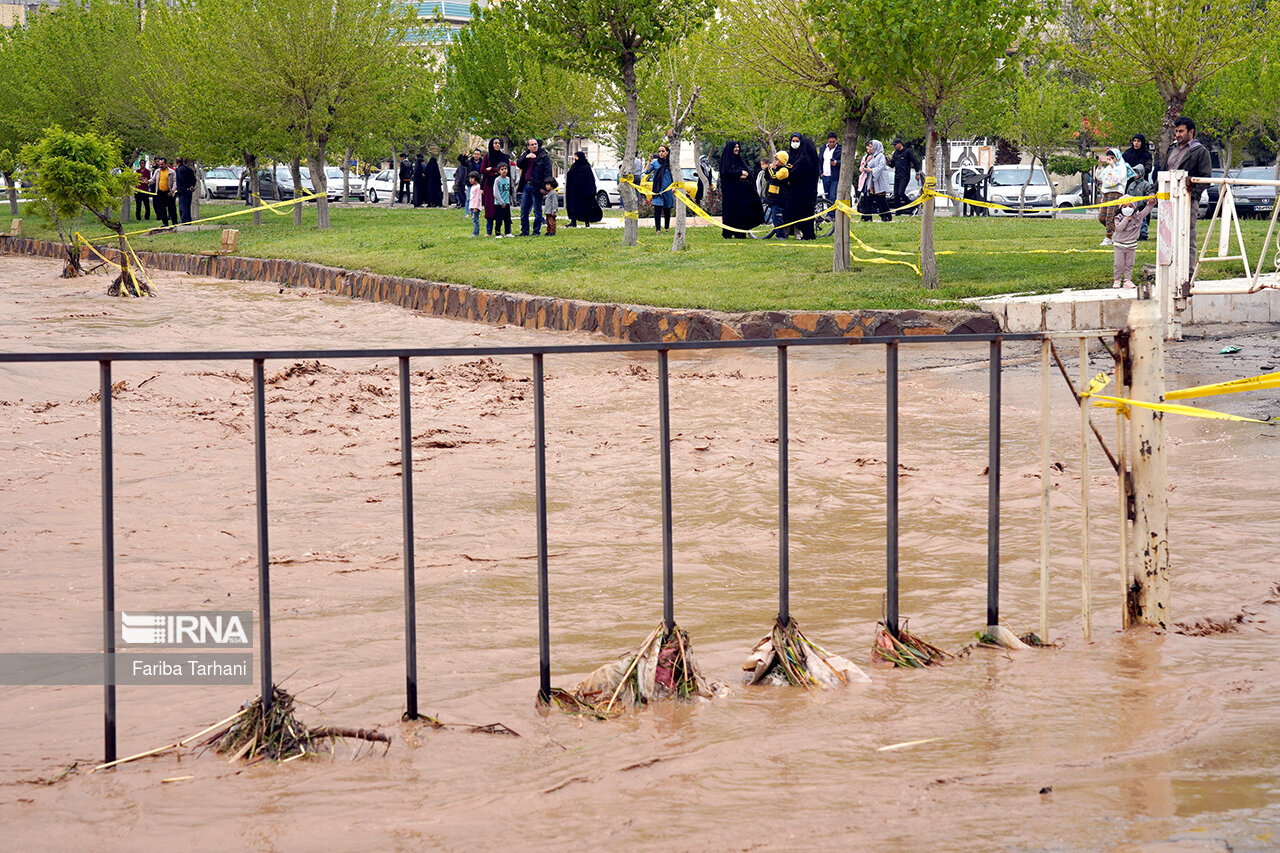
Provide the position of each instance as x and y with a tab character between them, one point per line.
638	323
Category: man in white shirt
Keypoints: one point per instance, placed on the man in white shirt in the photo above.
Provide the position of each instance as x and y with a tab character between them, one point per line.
831	167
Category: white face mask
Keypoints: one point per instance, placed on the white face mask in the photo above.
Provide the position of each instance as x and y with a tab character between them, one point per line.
1127	211
795	143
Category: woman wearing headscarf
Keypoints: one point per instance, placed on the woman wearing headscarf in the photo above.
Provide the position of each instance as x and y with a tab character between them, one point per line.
419	182
804	164
873	181
435	187
664	197
581	204
739	201
493	158
460	182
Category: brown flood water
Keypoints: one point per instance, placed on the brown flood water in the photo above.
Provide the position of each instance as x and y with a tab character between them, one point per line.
1149	742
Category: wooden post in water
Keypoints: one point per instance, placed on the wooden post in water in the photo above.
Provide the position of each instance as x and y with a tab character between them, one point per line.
1044	488
1148	595
1122	476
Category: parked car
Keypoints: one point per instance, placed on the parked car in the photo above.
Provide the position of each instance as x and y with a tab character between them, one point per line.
1070	198
607	192
278	184
380	186
221	182
333	184
1006	188
1209	198
1254	201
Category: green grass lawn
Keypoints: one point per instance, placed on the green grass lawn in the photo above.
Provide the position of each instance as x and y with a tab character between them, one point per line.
991	255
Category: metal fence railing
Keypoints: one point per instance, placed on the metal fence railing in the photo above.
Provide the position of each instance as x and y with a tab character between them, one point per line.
892	344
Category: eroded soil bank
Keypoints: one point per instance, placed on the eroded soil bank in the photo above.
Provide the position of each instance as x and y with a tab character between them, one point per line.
1147	742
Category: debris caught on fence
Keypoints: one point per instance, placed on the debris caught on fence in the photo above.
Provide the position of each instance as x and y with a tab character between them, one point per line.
787	656
275	734
906	649
484	729
662	667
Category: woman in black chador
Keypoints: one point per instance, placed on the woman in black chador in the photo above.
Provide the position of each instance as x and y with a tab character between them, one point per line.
434	188
740	206
419	182
805	164
580	200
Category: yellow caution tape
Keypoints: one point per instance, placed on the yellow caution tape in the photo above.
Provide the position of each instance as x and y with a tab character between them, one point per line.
1235	386
270	208
1123	403
994	206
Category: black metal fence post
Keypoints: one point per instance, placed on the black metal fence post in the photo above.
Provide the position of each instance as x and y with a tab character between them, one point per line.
540	499
264	553
891	487
410	586
108	569
993	491
784	497
664	430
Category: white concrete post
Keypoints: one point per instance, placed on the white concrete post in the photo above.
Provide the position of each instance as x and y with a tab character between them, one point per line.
1148	595
1173	242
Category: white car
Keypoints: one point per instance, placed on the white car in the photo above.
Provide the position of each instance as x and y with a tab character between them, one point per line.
607	192
380	186
1005	188
333	184
221	182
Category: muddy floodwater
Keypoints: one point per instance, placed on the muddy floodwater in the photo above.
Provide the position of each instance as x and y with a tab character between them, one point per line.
1132	741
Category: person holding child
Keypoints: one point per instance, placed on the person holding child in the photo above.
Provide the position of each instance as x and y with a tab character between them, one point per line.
777	192
739	202
1112	179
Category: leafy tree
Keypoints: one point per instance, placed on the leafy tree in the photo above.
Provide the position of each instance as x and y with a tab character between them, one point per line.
72	174
607	38
930	53
1232	105
1041	118
799	50
1172	43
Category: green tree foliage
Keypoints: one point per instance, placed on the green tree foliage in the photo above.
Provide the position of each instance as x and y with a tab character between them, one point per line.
77	173
796	48
607	38
931	54
1174	44
1041	117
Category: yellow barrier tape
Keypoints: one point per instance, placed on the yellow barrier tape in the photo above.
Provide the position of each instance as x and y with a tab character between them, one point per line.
1254	383
994	206
80	239
1123	403
647	191
271	208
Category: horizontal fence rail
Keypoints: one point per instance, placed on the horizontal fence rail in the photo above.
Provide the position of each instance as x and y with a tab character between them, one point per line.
402	355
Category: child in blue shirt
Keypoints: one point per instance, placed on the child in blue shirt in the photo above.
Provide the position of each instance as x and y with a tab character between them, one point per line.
502	201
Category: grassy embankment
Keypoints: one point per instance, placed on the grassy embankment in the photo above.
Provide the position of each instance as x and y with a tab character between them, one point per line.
992	255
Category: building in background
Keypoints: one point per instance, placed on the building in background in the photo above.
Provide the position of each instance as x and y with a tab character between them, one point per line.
441	20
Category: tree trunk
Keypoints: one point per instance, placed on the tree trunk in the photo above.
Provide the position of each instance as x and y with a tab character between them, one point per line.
126	205
254	185
12	189
677	236
568	153
840	260
444	182
199	192
346	174
928	260
1022	191
295	169
703	174
1173	104
630	205
320	184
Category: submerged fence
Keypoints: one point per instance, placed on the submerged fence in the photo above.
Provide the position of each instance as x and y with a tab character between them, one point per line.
891	344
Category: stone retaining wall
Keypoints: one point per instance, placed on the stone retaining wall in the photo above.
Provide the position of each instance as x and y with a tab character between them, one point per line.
622	322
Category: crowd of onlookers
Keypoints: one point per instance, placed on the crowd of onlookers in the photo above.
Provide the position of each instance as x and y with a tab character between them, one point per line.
167	189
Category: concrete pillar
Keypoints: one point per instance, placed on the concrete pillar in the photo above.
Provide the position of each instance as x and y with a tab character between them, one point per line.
1173	242
1148	594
